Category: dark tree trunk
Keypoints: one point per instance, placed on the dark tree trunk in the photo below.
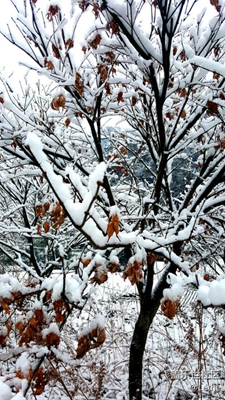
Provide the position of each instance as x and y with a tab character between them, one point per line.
150	302
147	312
136	354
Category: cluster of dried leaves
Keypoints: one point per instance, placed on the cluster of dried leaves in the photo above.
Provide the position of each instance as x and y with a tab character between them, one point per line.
91	340
34	320
58	102
79	84
32	326
101	271
49	214
48	64
52	12
169	308
216	4
38	378
134	271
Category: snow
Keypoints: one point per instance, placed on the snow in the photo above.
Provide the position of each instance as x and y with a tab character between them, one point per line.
73	289
174	293
209	65
75	210
18	396
53	328
5	391
96	177
98	322
23	364
213	293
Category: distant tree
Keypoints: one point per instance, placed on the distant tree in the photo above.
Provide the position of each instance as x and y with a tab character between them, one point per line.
158	68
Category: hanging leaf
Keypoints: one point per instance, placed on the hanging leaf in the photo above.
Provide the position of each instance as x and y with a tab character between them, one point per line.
52	12
5	303
93	339
55	51
216	4
95	42
46	226
67	122
113	267
52	339
100	275
39	382
48	64
79	85
69	43
113	226
57	102
183	114
120	97
169	308
84	344
133	272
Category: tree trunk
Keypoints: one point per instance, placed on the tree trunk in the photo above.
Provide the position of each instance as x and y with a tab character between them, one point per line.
136	354
149	307
150	302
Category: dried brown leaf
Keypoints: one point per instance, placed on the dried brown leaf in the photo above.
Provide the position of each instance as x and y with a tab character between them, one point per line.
169	308
113	226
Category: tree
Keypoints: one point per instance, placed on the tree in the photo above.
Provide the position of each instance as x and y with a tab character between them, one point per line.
158	67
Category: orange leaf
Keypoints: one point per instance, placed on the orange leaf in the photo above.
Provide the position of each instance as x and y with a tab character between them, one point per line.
55	51
183	114
53	339
38	209
95	42
38	385
28	375
48	64
67	122
206	277
52	11
46	226
79	84
84	343
133	272
39	315
169	308
57	102
20	326
69	43
100	276
113	226
113	267
216	4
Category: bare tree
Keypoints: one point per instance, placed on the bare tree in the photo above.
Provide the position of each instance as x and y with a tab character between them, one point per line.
152	188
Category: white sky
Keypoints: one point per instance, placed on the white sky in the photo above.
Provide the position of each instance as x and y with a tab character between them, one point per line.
10	54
